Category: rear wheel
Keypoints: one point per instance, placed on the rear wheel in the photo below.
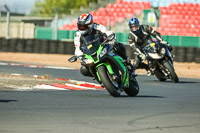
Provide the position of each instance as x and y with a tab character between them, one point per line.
111	85
133	89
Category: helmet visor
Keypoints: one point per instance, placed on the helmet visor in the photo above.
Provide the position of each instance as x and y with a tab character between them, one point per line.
82	27
134	27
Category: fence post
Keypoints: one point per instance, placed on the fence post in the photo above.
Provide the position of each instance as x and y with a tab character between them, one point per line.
7	22
22	30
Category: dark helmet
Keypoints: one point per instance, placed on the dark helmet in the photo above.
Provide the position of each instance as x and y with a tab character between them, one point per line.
85	23
134	25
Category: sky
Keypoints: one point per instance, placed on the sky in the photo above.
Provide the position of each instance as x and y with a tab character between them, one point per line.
18	6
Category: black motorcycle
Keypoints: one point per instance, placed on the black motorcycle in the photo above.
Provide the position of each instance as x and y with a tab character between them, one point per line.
160	61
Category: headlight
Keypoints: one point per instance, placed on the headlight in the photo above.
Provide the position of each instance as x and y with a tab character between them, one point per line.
103	52
88	61
163	51
155	55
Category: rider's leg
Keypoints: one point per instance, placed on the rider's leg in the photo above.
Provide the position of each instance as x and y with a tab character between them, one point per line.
136	61
121	51
138	64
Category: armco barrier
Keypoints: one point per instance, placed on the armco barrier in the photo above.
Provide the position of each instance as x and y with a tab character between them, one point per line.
182	54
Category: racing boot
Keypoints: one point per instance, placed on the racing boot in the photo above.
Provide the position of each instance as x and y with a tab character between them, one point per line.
131	68
150	69
129	65
149	73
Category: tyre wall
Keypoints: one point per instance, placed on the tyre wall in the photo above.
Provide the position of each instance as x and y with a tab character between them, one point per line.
36	46
182	54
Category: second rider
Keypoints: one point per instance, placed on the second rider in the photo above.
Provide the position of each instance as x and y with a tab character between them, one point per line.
138	39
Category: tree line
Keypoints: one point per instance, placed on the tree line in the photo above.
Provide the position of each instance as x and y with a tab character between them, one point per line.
49	7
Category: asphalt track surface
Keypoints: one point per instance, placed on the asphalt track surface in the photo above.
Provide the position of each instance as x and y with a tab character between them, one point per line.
160	107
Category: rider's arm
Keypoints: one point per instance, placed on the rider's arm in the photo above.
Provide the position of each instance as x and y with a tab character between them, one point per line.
77	44
158	36
154	33
103	30
132	41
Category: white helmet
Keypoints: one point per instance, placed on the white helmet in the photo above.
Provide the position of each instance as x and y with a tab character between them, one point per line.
85	23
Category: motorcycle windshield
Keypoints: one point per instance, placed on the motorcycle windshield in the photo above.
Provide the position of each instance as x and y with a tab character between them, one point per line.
91	44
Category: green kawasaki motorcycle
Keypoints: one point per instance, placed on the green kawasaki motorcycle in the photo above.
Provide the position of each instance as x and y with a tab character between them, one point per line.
107	67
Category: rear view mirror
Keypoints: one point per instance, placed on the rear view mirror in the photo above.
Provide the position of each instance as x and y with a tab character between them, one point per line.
111	37
72	59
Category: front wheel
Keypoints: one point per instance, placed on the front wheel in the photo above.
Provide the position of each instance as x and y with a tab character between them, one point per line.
133	89
173	75
159	74
108	82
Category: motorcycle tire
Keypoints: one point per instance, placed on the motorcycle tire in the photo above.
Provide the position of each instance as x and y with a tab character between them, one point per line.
133	89
107	82
173	75
159	75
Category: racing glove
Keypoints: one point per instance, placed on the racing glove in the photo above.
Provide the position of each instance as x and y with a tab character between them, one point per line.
112	42
164	42
167	44
170	47
142	56
82	60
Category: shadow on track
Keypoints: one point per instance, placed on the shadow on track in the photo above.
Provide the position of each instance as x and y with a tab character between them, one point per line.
143	96
7	101
168	81
181	82
187	82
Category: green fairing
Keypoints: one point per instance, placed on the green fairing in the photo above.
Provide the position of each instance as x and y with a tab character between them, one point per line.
126	77
98	76
126	83
88	57
108	66
98	52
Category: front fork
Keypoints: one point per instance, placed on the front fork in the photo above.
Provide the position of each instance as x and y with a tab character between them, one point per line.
163	69
109	68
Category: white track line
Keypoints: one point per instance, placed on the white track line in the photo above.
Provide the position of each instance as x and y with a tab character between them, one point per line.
34	66
47	87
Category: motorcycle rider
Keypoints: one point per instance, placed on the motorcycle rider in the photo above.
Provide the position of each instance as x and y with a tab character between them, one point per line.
138	38
86	27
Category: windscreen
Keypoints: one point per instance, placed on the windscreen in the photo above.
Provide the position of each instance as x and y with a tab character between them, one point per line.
91	44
